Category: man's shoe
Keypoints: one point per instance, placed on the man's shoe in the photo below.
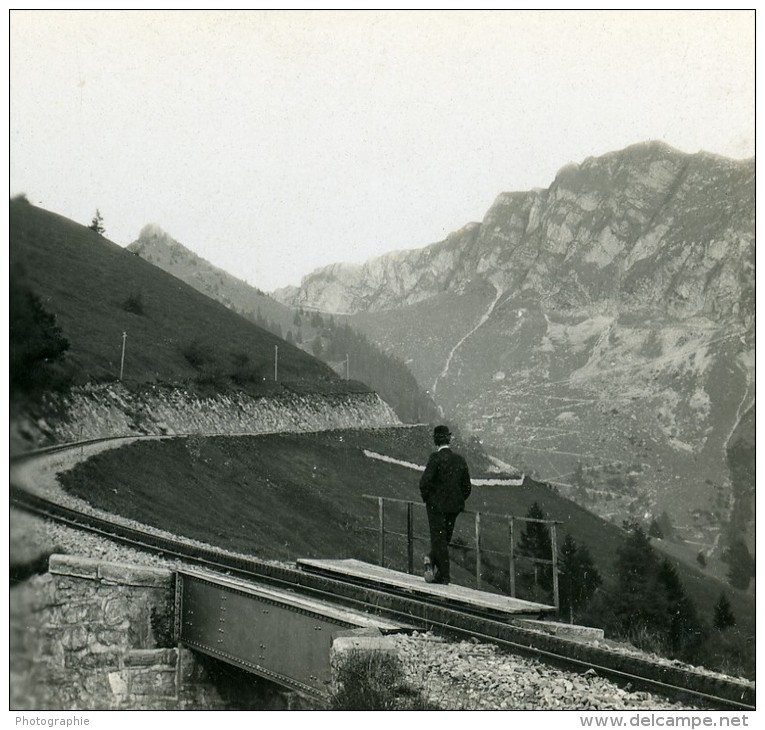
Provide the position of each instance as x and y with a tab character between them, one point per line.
430	571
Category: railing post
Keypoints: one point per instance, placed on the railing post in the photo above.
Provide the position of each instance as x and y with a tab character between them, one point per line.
554	541
409	538
478	550
512	557
381	513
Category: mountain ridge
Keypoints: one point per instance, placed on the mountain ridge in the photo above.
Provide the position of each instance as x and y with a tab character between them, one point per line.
602	326
477	250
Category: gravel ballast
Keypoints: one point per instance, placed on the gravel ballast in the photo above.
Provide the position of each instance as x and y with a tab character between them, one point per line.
469	675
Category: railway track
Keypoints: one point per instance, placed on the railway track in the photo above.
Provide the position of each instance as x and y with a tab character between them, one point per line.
675	682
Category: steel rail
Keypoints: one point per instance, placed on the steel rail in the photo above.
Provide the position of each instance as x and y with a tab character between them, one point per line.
707	689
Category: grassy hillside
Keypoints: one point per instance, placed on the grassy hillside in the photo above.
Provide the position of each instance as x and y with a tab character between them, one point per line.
345	351
288	496
98	290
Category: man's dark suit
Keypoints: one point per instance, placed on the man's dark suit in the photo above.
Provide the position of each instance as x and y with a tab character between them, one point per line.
444	486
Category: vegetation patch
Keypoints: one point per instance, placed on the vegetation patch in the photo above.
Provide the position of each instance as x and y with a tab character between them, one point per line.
134	303
375	681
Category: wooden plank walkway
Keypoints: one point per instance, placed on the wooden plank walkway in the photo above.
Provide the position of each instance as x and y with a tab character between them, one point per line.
359	570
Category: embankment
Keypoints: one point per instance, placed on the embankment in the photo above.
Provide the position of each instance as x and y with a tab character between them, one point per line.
97	411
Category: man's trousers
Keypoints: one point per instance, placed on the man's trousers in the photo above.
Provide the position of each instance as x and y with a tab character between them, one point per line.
441	528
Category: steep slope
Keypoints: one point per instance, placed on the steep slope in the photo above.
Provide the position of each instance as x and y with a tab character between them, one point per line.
157	247
98	290
602	327
348	352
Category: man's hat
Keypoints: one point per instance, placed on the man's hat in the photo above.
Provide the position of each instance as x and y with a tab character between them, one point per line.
441	433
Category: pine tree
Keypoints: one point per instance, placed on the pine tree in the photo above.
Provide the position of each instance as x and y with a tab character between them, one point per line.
684	632
723	617
664	524
654	530
650	604
637	604
579	577
97	224
535	542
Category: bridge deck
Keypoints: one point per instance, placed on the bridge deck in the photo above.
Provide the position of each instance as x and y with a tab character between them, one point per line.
374	574
277	634
294	601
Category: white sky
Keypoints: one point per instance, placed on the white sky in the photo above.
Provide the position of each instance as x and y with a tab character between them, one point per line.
271	143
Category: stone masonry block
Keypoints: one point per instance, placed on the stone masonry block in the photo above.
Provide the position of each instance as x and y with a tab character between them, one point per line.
73	565
74	637
77	613
114	610
191	670
118	683
131	575
87	660
150	658
342	645
111	637
153	682
96	685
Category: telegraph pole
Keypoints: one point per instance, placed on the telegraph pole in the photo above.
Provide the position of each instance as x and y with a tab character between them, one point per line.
347	366
122	362
276	362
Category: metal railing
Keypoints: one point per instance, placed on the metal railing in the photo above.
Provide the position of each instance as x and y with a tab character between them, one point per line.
477	545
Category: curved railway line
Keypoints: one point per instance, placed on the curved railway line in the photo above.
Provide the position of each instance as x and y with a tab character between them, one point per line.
670	680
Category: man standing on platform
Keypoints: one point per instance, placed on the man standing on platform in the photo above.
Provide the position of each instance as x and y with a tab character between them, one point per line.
444	486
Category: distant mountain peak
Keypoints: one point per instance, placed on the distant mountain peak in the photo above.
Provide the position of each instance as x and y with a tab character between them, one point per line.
158	247
153	230
153	236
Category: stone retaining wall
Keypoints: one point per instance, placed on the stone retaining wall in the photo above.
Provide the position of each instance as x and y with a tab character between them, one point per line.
97	411
92	635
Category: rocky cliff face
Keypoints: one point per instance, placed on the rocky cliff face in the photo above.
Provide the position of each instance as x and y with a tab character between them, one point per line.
646	228
599	332
386	282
